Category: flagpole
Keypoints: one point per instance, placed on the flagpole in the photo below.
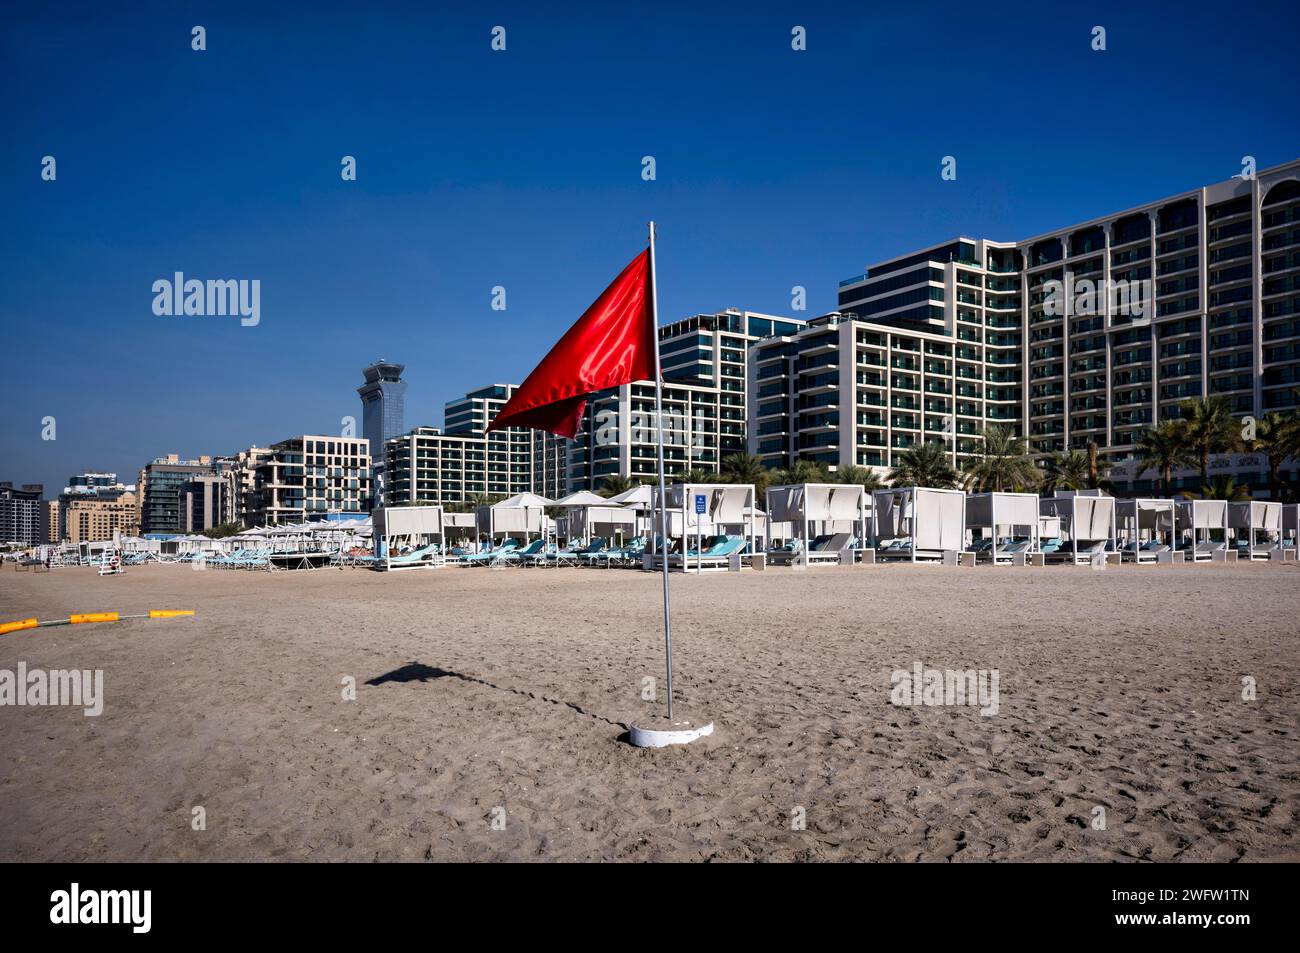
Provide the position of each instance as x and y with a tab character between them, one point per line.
663	491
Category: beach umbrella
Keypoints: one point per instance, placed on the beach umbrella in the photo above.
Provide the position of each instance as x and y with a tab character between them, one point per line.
582	498
637	498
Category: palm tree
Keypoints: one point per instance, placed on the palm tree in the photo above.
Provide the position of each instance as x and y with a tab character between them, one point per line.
1001	463
1277	437
696	475
1223	486
801	471
1210	429
614	484
924	464
862	475
743	468
1164	449
1066	470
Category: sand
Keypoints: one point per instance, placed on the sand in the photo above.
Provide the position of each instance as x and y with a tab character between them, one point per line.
490	708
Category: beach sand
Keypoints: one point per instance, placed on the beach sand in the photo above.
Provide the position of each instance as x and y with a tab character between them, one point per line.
487	696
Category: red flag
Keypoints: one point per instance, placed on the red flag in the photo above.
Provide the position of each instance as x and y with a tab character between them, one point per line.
611	344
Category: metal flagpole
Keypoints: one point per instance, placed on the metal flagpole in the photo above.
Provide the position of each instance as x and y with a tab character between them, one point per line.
663	490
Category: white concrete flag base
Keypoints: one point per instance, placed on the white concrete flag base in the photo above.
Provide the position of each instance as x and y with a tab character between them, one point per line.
660	734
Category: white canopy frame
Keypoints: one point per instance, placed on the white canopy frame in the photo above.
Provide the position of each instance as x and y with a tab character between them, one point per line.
1014	511
726	505
932	521
1140	522
1086	517
522	515
1202	518
423	528
1256	516
588	516
826	506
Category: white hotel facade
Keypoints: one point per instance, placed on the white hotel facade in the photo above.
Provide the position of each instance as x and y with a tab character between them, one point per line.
937	344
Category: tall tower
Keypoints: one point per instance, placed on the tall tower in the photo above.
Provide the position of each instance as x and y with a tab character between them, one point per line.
383	414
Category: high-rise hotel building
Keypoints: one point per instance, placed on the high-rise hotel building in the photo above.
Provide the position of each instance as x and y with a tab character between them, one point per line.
383	413
706	386
937	344
312	477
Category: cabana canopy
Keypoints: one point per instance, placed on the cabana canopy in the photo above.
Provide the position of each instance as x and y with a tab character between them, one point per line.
933	520
588	522
726	505
1255	515
1203	514
524	501
1086	517
581	498
639	497
1014	511
522	514
1154	516
818	503
837	511
408	521
1002	509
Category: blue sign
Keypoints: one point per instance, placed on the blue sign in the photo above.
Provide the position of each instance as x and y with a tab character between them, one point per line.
699	503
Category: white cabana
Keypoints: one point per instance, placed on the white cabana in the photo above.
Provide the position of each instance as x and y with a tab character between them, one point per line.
640	499
1087	525
1257	527
589	516
825	519
1013	515
1203	519
1147	530
1291	525
460	527
919	523
724	505
417	533
522	515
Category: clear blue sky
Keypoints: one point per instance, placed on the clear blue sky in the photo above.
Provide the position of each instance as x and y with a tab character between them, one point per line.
522	169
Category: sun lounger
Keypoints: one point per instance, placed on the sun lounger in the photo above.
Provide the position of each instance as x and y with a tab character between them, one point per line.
486	556
518	557
716	556
574	557
830	548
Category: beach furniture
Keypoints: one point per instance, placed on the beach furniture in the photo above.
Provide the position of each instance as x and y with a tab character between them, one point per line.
620	556
1146	530
836	512
1256	528
1013	522
517	557
484	557
421	530
1087	526
587	515
919	524
700	511
597	546
1205	523
522	516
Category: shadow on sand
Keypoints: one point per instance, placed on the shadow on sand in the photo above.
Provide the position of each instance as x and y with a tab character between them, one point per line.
419	672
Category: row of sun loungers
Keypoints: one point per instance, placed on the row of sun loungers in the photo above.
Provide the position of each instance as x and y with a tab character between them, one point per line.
539	554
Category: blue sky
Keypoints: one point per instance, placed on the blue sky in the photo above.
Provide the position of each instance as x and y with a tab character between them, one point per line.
523	169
